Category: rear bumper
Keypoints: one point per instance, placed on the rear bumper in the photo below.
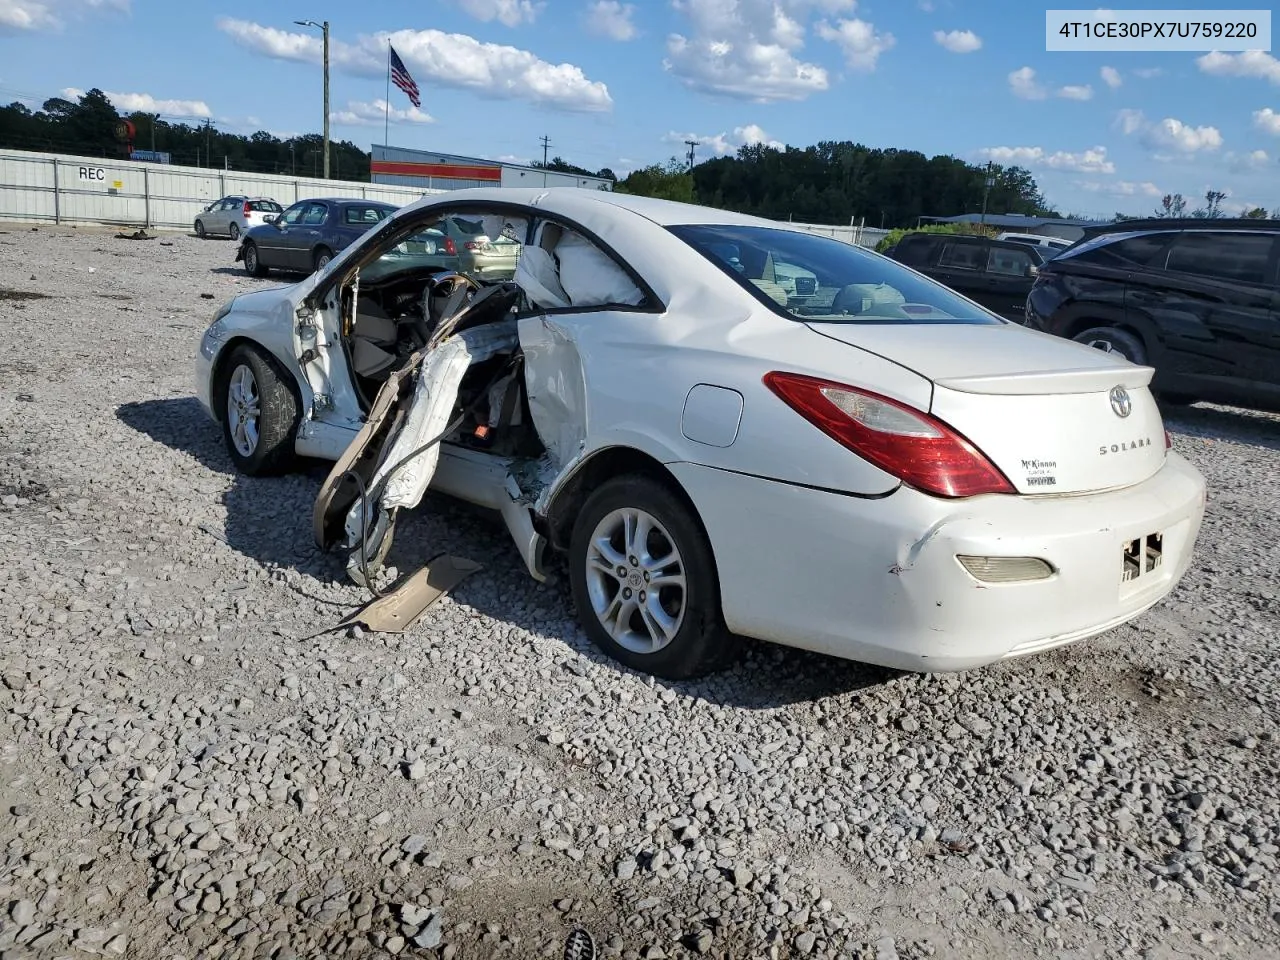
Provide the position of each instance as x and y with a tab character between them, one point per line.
878	580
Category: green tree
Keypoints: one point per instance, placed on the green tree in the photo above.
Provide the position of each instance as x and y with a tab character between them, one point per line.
669	181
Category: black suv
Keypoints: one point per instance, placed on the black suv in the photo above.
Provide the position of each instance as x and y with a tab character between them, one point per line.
996	273
1198	300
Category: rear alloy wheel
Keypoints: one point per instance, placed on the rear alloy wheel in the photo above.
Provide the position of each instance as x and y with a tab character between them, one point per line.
644	581
200	231
322	258
235	231
260	413
1114	340
252	265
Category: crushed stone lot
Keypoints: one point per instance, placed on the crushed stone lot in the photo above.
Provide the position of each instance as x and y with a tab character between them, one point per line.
184	774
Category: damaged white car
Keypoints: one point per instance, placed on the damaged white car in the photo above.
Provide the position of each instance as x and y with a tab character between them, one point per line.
883	470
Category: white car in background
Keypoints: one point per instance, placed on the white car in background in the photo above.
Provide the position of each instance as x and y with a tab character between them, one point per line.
891	474
234	216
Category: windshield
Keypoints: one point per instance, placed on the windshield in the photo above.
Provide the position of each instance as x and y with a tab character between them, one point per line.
810	277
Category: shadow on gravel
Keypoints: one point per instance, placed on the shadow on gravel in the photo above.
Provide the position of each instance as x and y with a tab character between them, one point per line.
268	520
1232	424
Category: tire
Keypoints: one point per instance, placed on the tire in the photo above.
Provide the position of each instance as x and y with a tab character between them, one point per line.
321	259
693	640
200	231
1114	340
252	391
252	265
234	231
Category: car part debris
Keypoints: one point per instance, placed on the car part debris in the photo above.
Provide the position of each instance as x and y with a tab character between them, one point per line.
136	235
396	611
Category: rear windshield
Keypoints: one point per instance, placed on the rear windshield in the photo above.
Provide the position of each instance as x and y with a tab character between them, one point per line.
265	206
811	277
363	215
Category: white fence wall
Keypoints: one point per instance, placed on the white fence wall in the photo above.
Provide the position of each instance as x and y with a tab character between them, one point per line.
57	188
859	236
38	187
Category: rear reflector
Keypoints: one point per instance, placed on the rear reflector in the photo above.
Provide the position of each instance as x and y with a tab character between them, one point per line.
1005	569
918	449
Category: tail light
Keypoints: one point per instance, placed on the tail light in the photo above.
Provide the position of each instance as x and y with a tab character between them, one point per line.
246	208
918	449
1168	440
449	246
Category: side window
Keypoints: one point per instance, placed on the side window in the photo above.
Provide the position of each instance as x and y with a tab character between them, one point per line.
315	215
916	249
294	213
961	255
1237	257
230	204
1009	262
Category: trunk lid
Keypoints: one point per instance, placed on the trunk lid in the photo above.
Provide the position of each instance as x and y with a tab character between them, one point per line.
1046	411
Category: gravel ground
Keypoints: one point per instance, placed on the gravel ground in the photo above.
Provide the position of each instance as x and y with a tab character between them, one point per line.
184	774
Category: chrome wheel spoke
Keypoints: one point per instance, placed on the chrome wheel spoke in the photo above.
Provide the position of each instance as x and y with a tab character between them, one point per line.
661	625
668	578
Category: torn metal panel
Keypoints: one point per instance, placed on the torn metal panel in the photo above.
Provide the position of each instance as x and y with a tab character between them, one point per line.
409	463
397	611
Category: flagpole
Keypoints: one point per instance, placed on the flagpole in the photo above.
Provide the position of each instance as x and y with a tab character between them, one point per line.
386	110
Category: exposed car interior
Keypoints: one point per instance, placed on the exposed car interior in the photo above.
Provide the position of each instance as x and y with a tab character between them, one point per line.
405	301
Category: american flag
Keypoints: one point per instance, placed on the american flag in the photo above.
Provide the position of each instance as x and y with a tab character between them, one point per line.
400	77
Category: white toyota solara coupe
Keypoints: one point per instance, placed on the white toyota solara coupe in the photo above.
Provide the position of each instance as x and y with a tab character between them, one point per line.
881	470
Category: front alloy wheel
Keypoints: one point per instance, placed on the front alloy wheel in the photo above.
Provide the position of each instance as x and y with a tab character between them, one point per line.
243	410
260	419
644	580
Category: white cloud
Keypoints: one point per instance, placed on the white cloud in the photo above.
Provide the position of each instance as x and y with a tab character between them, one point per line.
1111	77
858	39
1253	160
373	113
1169	133
1023	84
958	41
1084	92
513	159
145	103
611	19
448	59
1267	120
722	144
510	13
20	16
747	48
1092	160
1130	121
1251	63
1148	73
1121	188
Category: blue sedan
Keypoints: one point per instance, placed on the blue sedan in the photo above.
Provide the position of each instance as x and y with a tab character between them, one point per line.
308	234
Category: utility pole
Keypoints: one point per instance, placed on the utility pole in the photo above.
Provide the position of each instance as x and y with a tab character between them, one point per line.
325	28
546	143
208	154
986	191
692	145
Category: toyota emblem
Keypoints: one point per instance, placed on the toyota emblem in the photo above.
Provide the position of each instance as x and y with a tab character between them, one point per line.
1120	402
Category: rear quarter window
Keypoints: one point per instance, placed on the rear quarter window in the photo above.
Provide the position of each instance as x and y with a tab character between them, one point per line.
1238	257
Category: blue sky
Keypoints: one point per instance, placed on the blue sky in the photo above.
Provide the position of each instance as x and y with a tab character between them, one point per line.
621	84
